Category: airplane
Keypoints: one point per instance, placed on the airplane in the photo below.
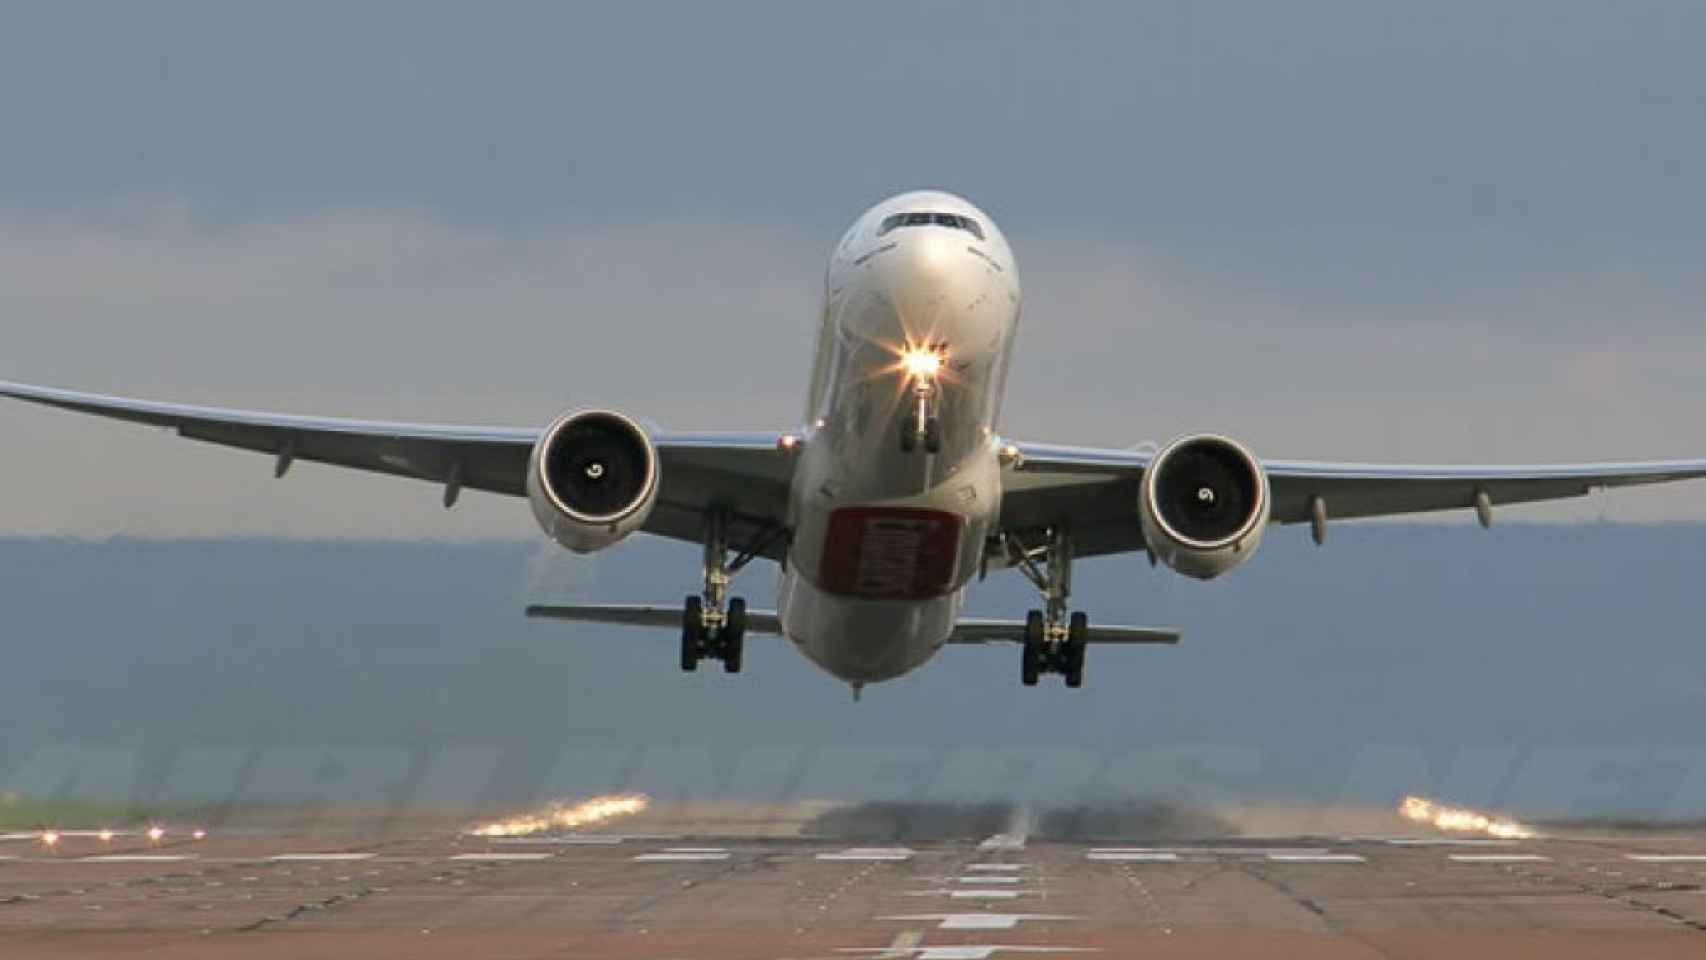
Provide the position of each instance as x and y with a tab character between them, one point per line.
895	491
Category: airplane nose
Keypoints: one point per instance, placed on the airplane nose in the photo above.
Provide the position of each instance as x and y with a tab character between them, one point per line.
930	283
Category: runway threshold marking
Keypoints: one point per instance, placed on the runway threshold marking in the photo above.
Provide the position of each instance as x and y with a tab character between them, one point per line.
136	858
498	857
1666	857
989	879
869	855
1497	858
996	867
1447	842
682	856
317	857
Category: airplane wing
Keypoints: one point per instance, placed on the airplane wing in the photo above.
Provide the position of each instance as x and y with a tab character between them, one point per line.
745	473
1095	490
967	631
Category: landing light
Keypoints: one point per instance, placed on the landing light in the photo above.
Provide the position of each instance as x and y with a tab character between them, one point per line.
50	838
156	833
921	363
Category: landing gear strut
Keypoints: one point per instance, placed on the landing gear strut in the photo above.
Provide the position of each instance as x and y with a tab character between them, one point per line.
1054	642
713	626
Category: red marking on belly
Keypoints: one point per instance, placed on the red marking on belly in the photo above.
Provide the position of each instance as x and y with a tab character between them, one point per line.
891	553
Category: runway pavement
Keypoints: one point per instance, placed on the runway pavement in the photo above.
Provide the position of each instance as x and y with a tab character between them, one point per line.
436	893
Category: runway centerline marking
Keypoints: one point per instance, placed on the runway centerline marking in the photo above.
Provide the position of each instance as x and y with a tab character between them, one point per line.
681	856
987	879
499	857
995	867
1142	856
1666	857
969	951
1315	858
978	921
312	857
1497	858
136	858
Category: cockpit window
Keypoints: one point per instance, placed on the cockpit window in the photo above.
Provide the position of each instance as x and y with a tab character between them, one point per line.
920	219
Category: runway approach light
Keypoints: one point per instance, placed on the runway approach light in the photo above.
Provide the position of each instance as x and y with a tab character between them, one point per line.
1459	820
50	838
106	836
156	833
565	816
199	835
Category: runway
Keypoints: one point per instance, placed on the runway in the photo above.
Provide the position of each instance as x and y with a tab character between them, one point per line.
436	893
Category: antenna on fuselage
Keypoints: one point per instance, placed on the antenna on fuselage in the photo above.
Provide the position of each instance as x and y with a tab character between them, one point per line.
858	689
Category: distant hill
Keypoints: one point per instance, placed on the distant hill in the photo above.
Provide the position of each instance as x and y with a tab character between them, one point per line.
1559	670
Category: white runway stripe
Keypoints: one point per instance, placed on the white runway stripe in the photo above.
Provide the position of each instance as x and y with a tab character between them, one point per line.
996	867
1498	858
1143	856
501	856
978	921
680	856
989	879
1448	842
1666	857
137	858
1315	858
869	854
313	857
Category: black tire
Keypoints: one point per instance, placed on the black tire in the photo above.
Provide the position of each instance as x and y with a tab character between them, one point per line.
908	433
1077	642
933	435
1031	660
734	635
692	633
1030	664
1034	629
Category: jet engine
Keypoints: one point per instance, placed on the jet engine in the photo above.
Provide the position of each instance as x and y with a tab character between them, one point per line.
1203	504
592	479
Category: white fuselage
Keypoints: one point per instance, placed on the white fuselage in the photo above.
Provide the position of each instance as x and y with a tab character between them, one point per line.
885	538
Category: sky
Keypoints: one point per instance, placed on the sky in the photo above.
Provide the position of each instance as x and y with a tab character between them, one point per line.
1547	670
1342	230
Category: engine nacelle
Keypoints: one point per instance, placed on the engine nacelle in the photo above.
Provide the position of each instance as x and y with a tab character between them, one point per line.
1203	504
592	479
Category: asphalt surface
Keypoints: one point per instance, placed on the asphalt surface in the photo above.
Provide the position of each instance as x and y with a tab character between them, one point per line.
440	894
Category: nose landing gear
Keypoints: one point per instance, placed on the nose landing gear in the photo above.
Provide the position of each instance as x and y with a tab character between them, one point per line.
1053	642
921	424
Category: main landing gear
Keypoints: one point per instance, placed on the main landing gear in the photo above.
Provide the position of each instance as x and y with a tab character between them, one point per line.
1053	642
712	625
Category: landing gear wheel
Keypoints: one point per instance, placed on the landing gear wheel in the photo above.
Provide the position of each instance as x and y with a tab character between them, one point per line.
692	633
909	433
734	635
1031	662
933	435
1030	665
1072	653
